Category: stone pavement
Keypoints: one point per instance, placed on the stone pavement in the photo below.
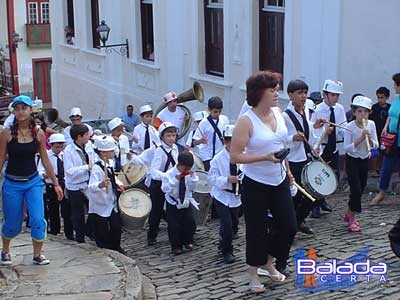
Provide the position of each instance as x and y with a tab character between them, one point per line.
76	272
201	274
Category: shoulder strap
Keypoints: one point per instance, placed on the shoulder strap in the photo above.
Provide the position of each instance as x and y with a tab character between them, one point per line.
216	129
170	159
298	127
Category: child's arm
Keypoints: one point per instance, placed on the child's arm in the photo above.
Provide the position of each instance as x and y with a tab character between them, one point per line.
168	183
215	177
97	181
373	135
72	168
191	181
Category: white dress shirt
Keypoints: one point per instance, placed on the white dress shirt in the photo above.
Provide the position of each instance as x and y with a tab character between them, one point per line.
353	134
101	200
322	111
170	186
122	145
140	132
160	159
75	167
53	160
218	178
205	128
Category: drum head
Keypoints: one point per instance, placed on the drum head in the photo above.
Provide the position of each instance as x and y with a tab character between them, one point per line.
320	178
202	186
132	174
134	203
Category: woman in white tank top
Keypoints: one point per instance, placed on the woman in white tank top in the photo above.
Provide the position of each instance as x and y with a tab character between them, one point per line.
258	135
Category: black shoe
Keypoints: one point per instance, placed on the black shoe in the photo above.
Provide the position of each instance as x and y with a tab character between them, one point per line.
316	213
122	251
189	247
325	206
80	241
177	251
70	237
229	258
305	229
151	242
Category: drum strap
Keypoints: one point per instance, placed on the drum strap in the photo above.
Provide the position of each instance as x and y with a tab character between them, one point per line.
170	159
216	132
298	127
111	176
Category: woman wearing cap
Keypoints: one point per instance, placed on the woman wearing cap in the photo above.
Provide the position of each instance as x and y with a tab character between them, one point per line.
258	136
103	193
22	182
359	139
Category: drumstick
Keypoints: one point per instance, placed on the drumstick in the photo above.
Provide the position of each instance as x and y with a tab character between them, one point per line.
304	191
105	172
365	125
198	127
337	125
320	139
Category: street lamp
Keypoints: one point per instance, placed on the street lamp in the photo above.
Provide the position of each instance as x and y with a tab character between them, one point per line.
16	39
104	30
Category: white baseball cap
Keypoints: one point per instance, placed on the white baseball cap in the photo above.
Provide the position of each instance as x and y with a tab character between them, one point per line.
105	143
114	123
145	108
57	138
333	86
362	101
170	96
75	111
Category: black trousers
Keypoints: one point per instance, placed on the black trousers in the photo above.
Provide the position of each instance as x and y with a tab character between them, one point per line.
228	225
108	231
357	175
78	202
66	215
257	200
302	204
181	225
157	197
52	209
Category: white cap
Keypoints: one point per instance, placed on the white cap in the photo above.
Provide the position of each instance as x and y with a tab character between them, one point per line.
168	97
145	108
310	104
75	111
333	86
164	126
57	138
228	130
362	101
114	123
105	143
199	115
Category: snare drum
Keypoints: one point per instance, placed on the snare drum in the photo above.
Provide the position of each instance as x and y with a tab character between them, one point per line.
135	206
201	194
319	179
132	175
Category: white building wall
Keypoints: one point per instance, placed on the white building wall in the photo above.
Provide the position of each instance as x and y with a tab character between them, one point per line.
3	27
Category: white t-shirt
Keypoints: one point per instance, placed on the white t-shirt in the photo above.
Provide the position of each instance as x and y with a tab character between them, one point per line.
177	117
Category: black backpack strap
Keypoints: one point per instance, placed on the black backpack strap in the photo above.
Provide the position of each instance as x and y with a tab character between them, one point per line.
170	159
216	129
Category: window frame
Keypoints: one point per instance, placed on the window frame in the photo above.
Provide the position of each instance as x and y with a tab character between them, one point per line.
42	9
95	22
39	5
147	28
29	15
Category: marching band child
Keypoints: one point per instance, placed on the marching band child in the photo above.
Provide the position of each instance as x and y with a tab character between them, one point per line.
52	205
164	158
144	134
122	153
103	193
209	132
197	117
359	139
223	178
177	184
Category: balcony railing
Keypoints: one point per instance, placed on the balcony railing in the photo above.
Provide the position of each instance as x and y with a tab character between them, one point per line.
38	35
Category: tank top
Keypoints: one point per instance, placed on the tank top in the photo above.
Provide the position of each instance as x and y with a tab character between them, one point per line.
263	141
21	158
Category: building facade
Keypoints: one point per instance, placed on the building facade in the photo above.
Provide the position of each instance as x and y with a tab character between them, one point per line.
219	44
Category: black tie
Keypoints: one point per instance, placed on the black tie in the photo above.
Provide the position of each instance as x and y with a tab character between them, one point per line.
147	139
182	189
118	164
233	171
214	139
332	137
60	171
306	130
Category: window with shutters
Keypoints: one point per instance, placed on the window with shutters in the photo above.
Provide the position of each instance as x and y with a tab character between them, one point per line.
146	14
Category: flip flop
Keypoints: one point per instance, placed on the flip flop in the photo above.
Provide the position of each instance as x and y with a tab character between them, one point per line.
256	288
263	272
278	277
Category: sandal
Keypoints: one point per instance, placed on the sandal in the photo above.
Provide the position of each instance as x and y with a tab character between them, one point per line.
376	200
346	218
256	288
277	277
354	227
263	272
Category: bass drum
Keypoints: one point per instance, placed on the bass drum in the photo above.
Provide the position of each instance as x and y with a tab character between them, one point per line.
319	179
201	194
135	206
133	176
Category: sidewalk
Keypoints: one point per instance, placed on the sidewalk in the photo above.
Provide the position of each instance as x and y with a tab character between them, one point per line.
76	272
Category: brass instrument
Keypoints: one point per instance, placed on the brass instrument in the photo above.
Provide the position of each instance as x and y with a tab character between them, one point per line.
194	93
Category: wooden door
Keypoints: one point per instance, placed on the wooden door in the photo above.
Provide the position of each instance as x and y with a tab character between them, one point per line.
41	79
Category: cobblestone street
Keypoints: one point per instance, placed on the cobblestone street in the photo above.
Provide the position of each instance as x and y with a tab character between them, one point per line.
201	274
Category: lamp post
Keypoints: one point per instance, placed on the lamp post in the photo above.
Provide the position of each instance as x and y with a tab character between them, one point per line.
16	39
104	30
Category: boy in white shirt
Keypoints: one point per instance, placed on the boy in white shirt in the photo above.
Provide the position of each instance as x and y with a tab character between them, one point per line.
145	135
209	133
197	117
225	192
103	193
178	184
122	150
164	158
